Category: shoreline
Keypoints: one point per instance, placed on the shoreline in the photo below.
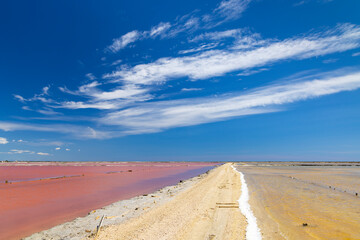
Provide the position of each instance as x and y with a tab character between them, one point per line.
116	213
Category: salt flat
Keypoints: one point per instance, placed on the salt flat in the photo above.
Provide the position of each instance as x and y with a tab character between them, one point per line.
293	201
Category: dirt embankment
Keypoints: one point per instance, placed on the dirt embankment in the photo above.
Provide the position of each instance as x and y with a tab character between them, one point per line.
208	210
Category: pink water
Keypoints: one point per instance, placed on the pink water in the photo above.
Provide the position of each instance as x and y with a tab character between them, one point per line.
38	196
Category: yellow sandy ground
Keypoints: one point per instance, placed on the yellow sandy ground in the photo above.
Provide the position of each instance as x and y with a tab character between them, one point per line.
193	214
283	198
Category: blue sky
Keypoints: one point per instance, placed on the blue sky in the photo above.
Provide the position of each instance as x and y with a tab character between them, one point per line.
180	80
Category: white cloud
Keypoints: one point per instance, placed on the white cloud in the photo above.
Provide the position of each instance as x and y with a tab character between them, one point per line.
17	151
129	87
90	76
45	90
84	105
117	62
67	149
43	154
48	112
58	148
232	9
42	97
20	98
356	54
85	89
187	23
227	10
159	29
158	116
43	142
219	35
123	41
191	89
252	71
202	47
3	140
20	151
74	130
219	62
97	98
126	92
45	110
133	36
161	115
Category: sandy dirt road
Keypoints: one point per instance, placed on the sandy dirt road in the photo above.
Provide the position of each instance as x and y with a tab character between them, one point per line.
206	211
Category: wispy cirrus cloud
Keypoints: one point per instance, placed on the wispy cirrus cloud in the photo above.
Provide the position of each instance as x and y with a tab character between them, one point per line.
45	110
202	47
227	10
134	85
117	97
125	40
159	116
239	39
42	97
135	35
82	132
219	62
231	9
220	35
159	30
129	99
